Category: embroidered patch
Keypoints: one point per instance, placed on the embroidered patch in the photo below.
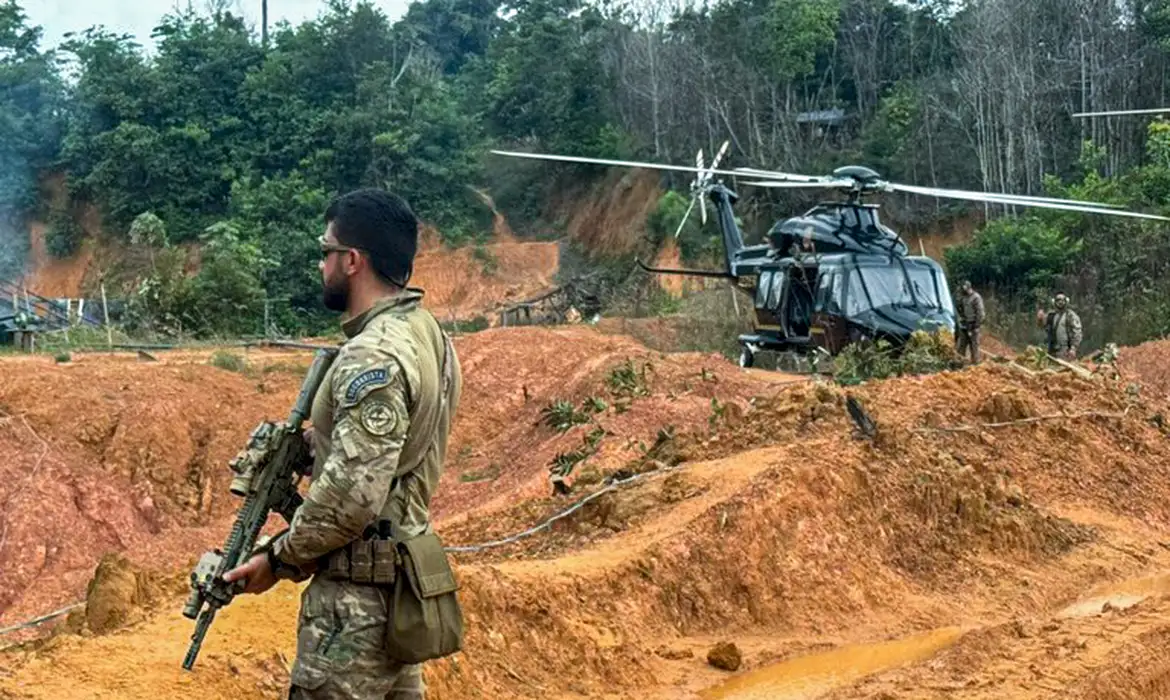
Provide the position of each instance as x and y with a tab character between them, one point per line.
368	379
378	418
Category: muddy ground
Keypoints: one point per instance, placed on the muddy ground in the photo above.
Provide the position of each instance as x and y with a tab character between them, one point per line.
1003	534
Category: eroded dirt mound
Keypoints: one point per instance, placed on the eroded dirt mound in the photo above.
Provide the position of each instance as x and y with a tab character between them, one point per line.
773	523
1149	365
120	593
466	282
610	215
109	454
503	443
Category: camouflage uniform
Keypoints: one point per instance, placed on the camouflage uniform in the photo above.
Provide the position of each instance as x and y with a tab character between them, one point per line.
971	314
1063	327
385	381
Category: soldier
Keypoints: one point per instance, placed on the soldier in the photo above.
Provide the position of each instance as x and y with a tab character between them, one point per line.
1063	328
380	423
970	312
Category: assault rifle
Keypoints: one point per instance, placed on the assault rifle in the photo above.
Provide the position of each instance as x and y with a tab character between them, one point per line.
267	472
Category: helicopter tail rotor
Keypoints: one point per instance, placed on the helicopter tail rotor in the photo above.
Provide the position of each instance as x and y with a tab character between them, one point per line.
699	185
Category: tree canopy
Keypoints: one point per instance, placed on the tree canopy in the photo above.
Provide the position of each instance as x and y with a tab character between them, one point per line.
238	145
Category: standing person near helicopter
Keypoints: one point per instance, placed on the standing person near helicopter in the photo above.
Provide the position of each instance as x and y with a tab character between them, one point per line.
970	320
1063	328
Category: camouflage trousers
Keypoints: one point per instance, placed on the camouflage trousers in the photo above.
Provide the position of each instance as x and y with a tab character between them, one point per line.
340	652
967	339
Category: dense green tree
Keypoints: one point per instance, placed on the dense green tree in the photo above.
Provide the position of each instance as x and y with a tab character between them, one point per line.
31	98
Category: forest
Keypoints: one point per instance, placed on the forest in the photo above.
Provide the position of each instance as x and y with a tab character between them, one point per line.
236	136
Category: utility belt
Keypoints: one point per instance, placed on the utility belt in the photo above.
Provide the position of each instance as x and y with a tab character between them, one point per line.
374	559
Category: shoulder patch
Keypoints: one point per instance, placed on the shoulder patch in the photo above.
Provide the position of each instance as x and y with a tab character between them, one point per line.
378	417
370	379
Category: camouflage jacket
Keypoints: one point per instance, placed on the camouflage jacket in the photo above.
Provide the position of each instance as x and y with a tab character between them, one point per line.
370	426
1064	331
970	310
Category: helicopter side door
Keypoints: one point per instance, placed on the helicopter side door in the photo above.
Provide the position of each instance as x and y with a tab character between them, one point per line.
796	309
829	330
769	292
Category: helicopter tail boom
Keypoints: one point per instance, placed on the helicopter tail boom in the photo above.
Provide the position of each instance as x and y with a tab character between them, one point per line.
693	273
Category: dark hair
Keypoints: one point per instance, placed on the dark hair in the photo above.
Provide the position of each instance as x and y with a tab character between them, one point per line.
382	225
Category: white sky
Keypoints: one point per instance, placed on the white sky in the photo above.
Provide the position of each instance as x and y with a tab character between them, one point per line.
138	17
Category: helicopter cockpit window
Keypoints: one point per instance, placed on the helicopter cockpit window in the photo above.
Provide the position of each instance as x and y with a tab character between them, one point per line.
763	288
830	289
891	286
849	217
777	291
926	286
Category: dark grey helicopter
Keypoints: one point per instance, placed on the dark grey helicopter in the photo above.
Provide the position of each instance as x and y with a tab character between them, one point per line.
834	275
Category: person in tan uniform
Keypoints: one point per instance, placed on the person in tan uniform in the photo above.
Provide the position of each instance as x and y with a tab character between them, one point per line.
380	424
970	321
1062	327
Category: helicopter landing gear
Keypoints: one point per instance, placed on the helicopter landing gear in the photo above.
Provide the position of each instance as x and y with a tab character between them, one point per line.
747	356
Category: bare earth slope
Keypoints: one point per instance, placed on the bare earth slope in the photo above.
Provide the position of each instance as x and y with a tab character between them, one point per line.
976	540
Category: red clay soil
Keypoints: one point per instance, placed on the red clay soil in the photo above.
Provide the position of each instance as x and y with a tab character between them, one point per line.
975	504
1147	365
466	282
107	454
51	277
610	214
500	450
111	454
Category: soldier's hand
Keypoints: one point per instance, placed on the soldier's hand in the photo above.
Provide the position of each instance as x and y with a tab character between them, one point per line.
308	437
256	572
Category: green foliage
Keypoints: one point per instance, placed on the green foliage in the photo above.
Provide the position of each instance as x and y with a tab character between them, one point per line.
63	235
694	244
543	81
159	301
485	257
1013	254
148	230
226	295
799	29
560	415
889	138
626	381
479	323
212	131
923	353
230	361
31	96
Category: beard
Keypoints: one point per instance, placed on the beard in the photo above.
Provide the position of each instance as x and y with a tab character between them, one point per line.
336	294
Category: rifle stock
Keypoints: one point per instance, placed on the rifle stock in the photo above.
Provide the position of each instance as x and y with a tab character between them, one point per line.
267	472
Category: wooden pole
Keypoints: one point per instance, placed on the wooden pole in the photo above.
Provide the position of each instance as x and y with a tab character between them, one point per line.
106	315
264	23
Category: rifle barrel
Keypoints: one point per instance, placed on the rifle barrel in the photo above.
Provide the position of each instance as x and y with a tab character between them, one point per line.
201	628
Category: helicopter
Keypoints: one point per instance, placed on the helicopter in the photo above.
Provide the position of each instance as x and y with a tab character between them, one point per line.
834	275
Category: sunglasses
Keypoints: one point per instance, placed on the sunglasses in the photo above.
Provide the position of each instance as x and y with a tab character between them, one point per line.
327	248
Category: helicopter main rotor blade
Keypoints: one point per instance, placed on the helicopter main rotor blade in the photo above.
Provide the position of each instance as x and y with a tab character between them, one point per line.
998	199
777	175
787	185
1022	197
622	163
1121	112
